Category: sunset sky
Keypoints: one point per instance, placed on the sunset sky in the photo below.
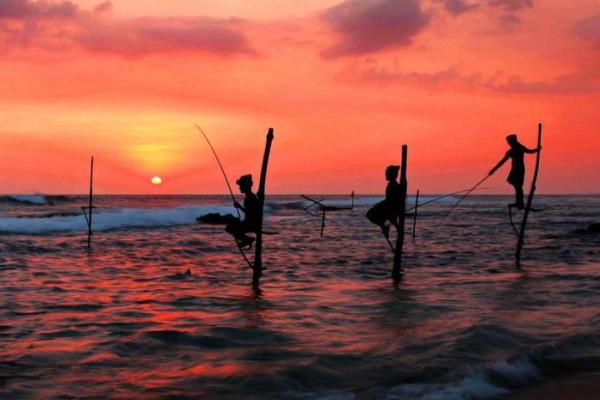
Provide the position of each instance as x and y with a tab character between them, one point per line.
343	83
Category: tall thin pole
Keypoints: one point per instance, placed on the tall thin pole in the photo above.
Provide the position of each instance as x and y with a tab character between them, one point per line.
257	270
323	216
529	199
91	204
352	205
414	232
397	270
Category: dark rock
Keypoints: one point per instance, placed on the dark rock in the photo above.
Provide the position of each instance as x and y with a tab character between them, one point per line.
216	219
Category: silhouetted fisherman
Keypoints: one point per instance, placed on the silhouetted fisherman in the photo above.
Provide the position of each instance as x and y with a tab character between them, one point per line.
390	208
516	177
238	228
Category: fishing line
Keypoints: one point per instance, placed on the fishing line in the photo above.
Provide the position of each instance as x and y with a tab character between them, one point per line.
467	194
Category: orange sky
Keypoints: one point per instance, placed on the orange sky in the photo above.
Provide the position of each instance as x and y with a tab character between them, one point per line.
344	84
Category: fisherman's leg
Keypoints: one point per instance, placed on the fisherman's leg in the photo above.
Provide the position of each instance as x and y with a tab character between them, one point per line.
377	215
244	240
519	195
234	228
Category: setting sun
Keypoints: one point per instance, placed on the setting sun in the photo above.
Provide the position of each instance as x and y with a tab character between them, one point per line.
156	180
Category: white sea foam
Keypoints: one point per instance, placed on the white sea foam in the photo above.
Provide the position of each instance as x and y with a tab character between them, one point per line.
105	220
480	384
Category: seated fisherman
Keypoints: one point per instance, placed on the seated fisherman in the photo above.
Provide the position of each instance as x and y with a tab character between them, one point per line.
238	228
390	208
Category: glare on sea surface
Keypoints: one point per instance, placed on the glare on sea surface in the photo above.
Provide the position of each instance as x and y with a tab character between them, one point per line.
156	180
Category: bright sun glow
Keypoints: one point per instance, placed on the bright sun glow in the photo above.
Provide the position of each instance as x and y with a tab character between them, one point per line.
157	180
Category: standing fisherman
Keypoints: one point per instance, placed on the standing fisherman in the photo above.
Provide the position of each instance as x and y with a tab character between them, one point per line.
516	177
238	228
390	208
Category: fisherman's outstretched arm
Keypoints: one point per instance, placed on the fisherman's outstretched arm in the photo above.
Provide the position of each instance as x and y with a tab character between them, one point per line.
501	163
531	151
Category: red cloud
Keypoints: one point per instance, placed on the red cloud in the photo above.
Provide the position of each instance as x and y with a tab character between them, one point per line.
367	26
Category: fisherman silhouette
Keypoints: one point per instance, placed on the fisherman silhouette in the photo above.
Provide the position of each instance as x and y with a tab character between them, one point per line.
390	208
238	228
516	177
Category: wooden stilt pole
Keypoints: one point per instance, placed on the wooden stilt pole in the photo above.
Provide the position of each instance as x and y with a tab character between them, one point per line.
323	216
529	200
352	205
397	270
257	270
414	232
90	206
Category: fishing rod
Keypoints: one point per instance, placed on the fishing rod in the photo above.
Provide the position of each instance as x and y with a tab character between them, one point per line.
230	191
468	193
221	167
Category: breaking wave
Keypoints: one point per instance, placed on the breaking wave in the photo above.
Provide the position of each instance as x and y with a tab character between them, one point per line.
106	220
34	199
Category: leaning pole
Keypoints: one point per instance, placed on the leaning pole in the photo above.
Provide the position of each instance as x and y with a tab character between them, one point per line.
529	199
257	267
397	270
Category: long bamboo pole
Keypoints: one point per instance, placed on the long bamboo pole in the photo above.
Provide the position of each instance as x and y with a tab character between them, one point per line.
257	270
529	199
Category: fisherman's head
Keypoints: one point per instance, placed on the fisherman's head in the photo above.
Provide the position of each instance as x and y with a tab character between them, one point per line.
391	172
245	183
512	139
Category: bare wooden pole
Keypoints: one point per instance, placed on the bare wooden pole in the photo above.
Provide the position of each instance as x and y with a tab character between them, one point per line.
257	270
414	232
352	205
529	199
397	270
90	206
323	216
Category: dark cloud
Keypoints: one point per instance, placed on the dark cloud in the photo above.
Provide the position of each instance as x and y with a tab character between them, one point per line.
456	7
366	26
589	29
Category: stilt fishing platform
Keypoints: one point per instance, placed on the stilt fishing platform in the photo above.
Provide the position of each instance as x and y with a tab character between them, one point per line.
528	208
256	266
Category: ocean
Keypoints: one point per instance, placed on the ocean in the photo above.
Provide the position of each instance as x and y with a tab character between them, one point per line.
125	321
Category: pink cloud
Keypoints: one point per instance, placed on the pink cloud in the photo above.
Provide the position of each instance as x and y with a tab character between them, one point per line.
574	83
20	9
33	24
511	5
143	36
366	26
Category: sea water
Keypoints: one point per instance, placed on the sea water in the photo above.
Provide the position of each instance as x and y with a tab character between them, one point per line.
125	321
